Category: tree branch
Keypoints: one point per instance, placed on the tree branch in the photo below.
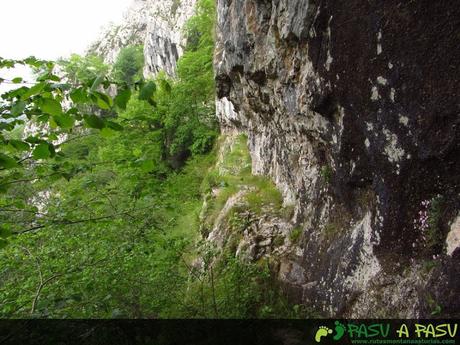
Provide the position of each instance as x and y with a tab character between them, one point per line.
79	221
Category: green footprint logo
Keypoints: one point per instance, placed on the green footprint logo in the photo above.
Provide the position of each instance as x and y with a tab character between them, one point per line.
322	331
339	331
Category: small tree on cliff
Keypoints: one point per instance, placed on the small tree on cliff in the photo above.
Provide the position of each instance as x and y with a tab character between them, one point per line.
128	66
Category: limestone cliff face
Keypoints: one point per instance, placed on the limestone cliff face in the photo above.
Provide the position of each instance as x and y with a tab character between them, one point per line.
352	109
155	24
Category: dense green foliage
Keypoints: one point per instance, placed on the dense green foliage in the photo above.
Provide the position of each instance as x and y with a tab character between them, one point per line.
100	203
128	66
83	69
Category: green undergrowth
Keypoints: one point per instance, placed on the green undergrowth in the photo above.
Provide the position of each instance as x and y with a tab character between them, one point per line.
232	175
131	264
231	288
295	234
142	264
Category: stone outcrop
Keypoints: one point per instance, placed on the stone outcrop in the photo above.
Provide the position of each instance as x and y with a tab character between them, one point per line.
352	109
157	25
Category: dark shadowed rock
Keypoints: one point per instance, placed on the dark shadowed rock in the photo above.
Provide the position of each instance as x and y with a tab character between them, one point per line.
353	109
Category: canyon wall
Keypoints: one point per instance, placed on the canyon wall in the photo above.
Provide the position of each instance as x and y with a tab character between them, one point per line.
352	109
157	25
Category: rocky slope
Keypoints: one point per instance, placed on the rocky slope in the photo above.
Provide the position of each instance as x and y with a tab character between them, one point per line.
352	109
155	24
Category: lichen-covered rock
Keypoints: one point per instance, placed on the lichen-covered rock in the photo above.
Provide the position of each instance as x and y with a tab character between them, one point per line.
241	214
352	109
453	238
155	24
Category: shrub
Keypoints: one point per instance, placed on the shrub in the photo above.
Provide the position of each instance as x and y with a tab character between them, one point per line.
295	234
326	173
128	65
428	222
82	69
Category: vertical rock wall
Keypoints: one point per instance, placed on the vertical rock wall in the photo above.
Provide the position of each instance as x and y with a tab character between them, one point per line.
158	25
353	109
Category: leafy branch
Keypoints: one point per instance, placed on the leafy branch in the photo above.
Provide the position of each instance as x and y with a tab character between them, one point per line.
79	221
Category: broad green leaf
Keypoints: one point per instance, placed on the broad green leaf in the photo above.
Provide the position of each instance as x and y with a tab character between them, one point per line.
101	103
6	162
106	98
146	92
93	121
43	118
48	76
52	136
7	63
19	145
41	151
115	126
33	139
122	98
79	96
33	61
15	93
97	82
18	109
34	90
101	100
51	106
17	80
64	121
53	123
8	126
